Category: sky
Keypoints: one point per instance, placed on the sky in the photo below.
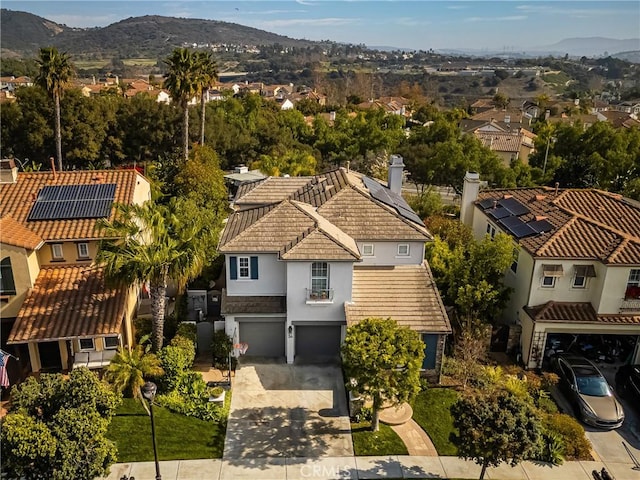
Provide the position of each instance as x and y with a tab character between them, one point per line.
502	25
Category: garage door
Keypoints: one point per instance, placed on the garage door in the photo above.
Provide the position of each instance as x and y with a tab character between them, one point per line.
319	341
265	339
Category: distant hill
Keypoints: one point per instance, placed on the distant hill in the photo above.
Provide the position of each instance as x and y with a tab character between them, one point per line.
591	46
148	36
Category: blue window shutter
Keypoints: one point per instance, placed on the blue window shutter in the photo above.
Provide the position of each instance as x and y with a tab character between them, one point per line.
430	350
233	268
254	268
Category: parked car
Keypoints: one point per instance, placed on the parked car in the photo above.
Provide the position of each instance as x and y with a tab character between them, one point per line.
628	383
588	391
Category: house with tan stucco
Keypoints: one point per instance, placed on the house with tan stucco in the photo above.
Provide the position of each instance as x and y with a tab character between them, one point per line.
55	308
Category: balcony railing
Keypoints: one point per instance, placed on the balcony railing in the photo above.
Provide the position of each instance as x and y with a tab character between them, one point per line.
319	296
630	305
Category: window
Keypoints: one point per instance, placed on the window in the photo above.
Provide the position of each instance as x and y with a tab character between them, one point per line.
7	285
430	341
633	285
548	282
367	250
319	277
111	343
582	272
83	250
491	230
86	344
403	250
56	251
243	268
514	265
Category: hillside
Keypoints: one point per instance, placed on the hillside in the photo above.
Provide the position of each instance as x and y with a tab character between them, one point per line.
149	36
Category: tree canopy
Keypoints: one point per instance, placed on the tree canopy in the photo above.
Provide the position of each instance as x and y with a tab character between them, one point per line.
382	361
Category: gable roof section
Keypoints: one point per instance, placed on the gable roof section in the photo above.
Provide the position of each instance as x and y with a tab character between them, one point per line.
69	302
587	223
406	293
16	199
363	218
269	190
13	233
500	141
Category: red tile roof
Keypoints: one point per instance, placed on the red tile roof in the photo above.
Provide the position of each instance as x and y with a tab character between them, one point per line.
17	198
68	302
581	312
13	233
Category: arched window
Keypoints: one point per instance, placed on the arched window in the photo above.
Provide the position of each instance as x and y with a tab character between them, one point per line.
7	285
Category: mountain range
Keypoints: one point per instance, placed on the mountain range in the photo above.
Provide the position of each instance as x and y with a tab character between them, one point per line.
153	36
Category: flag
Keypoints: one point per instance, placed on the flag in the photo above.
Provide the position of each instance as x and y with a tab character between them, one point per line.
4	378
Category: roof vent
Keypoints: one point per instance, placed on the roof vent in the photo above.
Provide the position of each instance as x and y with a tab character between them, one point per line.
540	218
539	198
507	195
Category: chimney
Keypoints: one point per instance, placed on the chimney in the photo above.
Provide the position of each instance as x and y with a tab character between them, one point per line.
396	174
470	191
8	171
241	169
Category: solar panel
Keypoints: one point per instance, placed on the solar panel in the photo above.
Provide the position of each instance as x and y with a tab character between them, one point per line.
498	213
511	222
541	226
392	199
486	203
64	202
514	206
521	231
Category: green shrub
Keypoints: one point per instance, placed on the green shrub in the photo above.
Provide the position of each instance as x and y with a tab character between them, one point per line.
547	405
216	391
191	398
176	359
222	347
187	330
551	448
142	328
576	444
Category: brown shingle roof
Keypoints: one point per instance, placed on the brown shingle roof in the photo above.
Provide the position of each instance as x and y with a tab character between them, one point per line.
68	302
588	224
406	293
269	190
13	233
251	304
581	312
500	141
17	198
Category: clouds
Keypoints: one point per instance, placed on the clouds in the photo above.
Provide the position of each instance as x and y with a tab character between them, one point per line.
309	22
509	18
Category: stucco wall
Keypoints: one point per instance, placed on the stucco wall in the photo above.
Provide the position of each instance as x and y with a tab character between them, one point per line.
563	291
271	277
24	266
69	253
386	253
610	298
142	192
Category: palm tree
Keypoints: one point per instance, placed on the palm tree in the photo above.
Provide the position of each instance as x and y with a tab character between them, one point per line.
55	73
207	74
154	244
129	369
182	83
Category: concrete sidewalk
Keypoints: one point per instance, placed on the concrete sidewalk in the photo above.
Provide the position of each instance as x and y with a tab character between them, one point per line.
355	468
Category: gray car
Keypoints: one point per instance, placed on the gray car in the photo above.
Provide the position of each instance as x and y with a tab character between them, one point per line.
588	391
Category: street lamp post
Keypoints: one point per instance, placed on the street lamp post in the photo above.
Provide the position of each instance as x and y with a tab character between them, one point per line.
149	390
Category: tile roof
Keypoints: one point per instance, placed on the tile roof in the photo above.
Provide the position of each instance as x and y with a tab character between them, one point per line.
252	304
587	223
500	141
580	312
406	293
68	302
17	198
13	233
268	190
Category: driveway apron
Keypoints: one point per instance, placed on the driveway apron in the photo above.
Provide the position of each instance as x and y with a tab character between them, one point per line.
280	410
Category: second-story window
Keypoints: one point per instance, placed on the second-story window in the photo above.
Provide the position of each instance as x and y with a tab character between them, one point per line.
7	285
244	269
633	285
582	273
403	250
491	230
56	251
548	282
367	250
319	277
83	250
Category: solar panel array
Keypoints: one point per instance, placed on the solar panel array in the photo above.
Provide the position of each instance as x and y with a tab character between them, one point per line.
65	202
507	212
392	199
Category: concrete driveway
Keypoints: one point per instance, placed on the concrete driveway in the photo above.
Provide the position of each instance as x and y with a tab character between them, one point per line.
280	410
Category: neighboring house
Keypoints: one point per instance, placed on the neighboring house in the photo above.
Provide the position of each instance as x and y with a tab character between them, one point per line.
577	271
55	307
508	145
11	83
308	256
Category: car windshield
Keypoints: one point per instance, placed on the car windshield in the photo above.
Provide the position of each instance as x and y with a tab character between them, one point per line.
593	386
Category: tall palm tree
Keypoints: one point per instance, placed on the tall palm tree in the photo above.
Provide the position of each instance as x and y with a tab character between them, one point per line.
181	81
207	74
56	71
154	244
129	369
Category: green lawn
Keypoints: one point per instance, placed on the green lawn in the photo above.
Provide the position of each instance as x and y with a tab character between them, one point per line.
431	412
383	442
178	437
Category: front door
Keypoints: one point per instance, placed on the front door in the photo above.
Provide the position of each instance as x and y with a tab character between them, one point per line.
50	360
